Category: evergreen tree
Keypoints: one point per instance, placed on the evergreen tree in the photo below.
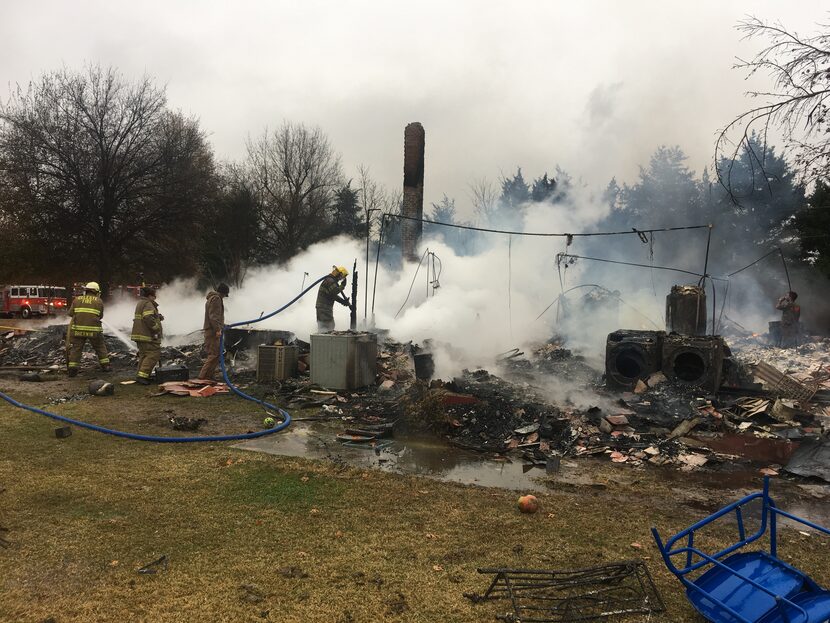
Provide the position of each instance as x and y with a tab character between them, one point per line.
543	189
666	193
346	213
757	212
515	194
813	226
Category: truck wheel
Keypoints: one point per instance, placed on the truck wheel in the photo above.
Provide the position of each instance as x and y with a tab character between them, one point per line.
26	312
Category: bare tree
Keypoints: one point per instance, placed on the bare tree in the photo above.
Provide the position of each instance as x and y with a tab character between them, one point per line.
797	105
230	236
96	172
295	173
375	199
485	198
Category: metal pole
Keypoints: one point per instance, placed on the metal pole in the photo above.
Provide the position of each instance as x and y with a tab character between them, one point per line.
368	237
786	272
377	261
427	271
708	243
366	288
353	306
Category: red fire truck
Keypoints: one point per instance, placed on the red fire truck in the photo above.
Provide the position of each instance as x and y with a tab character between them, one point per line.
28	301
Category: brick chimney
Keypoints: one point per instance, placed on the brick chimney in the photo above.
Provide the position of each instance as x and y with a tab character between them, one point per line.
413	189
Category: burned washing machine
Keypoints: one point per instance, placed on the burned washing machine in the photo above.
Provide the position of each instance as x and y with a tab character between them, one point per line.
631	355
686	310
694	360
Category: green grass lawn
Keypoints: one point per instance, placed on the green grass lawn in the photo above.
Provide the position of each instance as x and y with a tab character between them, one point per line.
252	537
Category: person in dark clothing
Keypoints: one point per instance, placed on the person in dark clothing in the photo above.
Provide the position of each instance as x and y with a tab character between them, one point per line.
331	290
214	321
790	316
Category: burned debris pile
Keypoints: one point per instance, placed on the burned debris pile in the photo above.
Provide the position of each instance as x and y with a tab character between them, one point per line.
719	419
685	401
45	348
480	411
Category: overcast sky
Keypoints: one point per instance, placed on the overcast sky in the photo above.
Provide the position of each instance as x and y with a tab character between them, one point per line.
592	86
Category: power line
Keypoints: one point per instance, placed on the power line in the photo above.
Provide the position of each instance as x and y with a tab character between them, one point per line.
669	268
632	231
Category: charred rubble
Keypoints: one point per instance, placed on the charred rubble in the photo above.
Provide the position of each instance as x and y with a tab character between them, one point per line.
688	401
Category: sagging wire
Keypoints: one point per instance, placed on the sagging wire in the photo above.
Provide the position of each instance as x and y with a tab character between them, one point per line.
377	260
406	300
766	255
561	258
436	276
604	289
651	263
433	284
722	307
632	231
607	261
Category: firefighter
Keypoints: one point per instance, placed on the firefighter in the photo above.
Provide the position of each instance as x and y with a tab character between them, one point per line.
85	315
331	290
790	316
214	321
147	333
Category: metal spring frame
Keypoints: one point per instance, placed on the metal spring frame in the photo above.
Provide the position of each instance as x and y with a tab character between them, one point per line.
599	585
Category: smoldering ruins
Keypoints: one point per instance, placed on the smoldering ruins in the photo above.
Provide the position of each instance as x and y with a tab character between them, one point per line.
629	363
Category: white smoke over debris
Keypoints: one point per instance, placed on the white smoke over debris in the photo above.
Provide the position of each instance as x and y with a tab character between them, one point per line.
490	302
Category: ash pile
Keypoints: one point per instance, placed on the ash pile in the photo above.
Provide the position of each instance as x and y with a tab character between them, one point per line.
748	401
46	349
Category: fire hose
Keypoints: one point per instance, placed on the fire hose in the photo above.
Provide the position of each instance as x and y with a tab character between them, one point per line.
286	417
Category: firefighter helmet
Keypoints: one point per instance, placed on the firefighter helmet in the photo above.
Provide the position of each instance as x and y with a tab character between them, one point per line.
342	270
92	286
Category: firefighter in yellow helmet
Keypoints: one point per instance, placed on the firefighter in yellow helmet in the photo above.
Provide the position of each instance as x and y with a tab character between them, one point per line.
85	315
147	334
331	290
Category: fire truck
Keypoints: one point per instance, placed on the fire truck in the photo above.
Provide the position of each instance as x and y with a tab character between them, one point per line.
28	301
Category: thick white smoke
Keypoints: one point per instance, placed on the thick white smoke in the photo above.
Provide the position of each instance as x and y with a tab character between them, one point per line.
486	303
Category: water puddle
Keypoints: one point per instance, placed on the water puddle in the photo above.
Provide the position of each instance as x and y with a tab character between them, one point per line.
703	490
422	457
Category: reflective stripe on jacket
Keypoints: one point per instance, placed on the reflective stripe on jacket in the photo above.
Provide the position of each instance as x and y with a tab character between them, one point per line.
86	312
146	322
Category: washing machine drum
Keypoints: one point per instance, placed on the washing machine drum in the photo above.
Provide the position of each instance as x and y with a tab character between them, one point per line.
689	365
632	355
694	361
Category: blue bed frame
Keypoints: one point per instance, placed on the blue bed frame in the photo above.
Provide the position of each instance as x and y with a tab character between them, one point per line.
740	584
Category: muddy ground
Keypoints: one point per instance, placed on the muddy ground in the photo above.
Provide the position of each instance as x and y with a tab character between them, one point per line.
250	536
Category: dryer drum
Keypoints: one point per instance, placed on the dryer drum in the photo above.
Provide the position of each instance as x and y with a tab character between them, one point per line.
629	361
694	361
632	355
688	366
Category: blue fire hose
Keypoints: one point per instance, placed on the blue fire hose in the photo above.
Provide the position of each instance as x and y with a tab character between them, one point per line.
286	418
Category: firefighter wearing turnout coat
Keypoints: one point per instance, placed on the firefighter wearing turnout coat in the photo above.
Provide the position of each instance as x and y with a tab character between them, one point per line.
214	321
147	334
85	315
331	290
